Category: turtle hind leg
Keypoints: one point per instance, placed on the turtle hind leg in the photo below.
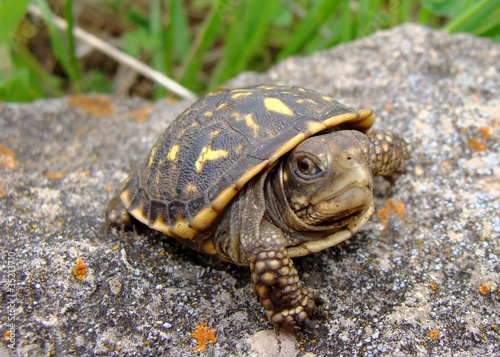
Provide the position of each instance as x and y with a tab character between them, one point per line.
118	217
388	154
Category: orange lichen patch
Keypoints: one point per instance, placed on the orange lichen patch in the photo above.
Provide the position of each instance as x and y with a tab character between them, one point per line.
84	173
433	334
171	100
80	270
8	158
92	104
476	145
55	175
390	208
484	289
388	107
203	335
484	131
109	188
433	286
7	334
445	163
141	115
2	191
495	123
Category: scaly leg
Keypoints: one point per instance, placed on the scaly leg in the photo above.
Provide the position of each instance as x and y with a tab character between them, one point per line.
277	285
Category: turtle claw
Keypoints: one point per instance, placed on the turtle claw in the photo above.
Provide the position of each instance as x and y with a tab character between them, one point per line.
308	324
292	322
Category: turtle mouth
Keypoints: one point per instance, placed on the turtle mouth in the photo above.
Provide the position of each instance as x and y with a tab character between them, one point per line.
339	208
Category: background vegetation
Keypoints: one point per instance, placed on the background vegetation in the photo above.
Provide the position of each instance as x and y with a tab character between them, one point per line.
198	43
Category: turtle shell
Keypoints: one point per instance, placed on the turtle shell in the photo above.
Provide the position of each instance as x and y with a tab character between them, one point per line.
221	142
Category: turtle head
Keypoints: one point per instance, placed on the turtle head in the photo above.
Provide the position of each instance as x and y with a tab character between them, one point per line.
327	180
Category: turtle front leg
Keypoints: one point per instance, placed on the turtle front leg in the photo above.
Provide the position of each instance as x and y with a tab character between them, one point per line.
388	154
277	285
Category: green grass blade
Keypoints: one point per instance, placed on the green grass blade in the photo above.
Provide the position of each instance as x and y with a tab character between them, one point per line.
366	19
424	16
481	6
248	31
179	27
257	29
489	28
404	11
205	38
308	26
12	11
58	45
70	38
159	55
346	21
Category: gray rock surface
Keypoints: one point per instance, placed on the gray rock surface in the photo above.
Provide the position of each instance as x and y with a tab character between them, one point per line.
424	280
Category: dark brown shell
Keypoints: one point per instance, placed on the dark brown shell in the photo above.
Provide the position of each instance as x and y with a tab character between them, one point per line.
221	142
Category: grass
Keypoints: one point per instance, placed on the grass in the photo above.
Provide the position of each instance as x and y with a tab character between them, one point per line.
200	44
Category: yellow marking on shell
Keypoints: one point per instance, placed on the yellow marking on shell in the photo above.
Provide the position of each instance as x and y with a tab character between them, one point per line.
125	197
222	106
183	130
190	189
204	218
365	120
207	154
251	124
339	119
138	213
152	156
289	145
250	174
314	127
208	247
215	92
277	106
236	116
160	225
239	149
221	201
172	154
208	114
182	229
240	94
214	133
327	98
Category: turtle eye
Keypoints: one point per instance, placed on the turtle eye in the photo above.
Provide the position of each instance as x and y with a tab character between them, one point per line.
307	168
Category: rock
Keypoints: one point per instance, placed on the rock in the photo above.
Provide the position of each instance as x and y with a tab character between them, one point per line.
423	278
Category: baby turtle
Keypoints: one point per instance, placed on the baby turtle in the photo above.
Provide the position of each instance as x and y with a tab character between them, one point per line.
259	175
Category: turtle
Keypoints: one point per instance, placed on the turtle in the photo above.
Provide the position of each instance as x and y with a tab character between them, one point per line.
259	175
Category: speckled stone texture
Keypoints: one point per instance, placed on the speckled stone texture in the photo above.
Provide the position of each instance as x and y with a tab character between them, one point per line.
422	278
